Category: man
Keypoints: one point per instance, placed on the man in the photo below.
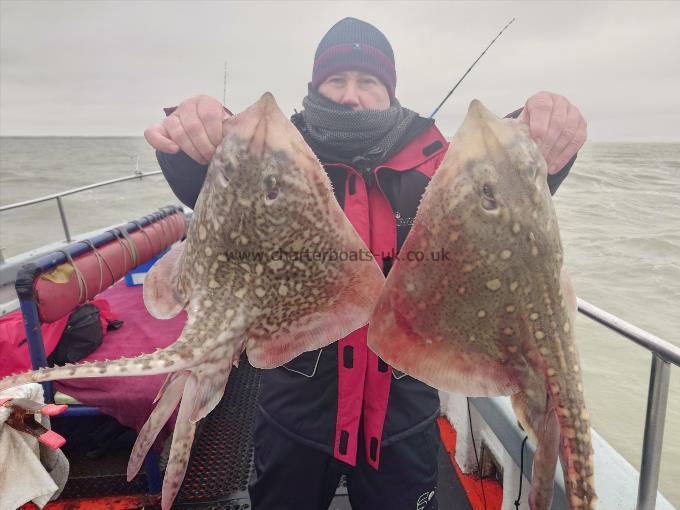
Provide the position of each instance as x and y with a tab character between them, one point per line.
340	409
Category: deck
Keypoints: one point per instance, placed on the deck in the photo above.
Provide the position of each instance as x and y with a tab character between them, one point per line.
221	461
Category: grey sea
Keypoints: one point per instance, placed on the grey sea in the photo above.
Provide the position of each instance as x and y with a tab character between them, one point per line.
619	214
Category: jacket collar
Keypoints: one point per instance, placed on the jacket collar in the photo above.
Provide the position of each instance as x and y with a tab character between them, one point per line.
421	142
426	145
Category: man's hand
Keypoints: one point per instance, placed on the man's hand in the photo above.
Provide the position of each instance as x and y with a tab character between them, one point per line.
557	127
195	127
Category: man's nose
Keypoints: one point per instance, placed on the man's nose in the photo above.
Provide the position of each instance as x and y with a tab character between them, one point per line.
350	96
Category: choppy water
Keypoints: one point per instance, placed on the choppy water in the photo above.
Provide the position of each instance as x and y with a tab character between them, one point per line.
619	215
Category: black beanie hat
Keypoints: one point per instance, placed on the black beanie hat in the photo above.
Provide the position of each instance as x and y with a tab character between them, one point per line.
352	44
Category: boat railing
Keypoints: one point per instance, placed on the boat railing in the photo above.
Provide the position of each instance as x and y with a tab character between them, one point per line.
498	414
58	198
663	354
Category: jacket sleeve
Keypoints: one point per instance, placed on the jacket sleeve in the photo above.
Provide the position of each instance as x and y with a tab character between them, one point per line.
184	175
555	179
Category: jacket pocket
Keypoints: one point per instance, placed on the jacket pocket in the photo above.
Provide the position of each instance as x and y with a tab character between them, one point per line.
305	364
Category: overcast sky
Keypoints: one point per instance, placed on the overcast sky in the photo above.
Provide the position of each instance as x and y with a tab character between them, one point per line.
107	68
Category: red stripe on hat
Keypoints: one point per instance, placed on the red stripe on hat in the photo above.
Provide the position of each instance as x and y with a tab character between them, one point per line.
344	49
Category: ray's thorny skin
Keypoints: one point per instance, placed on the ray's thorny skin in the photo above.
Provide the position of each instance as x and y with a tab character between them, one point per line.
264	191
497	317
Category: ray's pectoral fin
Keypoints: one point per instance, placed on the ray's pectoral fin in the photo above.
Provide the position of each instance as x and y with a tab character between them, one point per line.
162	294
455	362
317	316
538	418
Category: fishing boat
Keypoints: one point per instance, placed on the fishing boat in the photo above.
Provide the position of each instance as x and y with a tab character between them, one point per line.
484	460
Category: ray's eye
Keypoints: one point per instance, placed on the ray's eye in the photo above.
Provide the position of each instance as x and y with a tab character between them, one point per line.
271	188
223	179
226	172
488	199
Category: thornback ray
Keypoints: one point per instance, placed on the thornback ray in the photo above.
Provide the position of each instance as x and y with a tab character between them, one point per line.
494	314
259	270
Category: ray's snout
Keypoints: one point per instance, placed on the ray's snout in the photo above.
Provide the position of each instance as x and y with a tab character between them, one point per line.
477	109
478	115
262	124
482	136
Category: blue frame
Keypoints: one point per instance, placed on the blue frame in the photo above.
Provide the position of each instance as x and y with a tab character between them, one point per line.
32	325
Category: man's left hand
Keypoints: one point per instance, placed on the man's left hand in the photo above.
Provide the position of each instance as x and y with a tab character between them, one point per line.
557	127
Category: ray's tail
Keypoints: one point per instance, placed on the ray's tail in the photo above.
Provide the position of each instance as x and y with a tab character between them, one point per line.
576	450
162	361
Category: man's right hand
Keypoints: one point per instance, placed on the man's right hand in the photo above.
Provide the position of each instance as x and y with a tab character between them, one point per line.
195	127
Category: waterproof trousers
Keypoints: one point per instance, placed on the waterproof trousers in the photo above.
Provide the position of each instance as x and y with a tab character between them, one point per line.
291	475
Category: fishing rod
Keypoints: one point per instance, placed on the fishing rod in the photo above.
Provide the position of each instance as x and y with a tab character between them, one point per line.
224	88
470	69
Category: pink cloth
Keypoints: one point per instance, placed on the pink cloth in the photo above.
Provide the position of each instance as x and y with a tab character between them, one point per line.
128	399
14	355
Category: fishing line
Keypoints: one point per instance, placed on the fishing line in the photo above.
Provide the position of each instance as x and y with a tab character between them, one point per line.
521	472
224	88
474	447
470	69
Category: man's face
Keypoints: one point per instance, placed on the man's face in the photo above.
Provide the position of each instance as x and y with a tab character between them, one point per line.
361	91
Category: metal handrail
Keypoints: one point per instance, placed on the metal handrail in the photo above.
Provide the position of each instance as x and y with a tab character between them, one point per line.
78	190
663	348
58	197
663	354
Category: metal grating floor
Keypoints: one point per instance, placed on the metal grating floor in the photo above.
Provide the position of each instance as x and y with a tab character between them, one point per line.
104	475
221	461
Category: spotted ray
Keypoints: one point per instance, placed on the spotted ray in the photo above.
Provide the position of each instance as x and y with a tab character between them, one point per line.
492	314
258	271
